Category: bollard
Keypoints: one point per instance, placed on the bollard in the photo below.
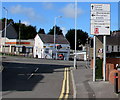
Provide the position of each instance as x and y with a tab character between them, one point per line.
116	82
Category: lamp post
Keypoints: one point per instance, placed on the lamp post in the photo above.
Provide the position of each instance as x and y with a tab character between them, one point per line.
55	49
5	27
75	61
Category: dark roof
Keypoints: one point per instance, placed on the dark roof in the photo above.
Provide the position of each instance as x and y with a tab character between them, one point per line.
113	41
110	40
60	39
2	25
116	33
10	32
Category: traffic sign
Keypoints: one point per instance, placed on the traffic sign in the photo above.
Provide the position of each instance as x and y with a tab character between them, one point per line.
100	7
100	29
101	22
100	15
100	19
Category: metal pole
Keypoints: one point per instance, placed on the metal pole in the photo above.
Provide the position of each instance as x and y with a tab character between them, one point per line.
116	82
104	58
19	31
94	58
55	35
5	28
88	52
75	62
55	49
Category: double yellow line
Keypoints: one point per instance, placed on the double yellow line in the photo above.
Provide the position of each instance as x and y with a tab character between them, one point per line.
65	86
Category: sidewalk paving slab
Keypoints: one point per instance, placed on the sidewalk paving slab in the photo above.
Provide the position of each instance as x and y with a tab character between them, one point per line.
86	88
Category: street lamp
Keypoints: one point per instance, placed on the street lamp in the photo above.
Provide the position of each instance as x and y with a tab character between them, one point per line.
55	34
75	61
5	27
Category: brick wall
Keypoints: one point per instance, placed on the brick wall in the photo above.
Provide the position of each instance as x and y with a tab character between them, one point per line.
113	60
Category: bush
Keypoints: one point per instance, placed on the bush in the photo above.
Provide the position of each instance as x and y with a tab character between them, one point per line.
99	63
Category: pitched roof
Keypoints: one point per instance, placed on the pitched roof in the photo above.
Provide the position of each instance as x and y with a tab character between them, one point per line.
2	25
113	40
60	39
116	33
10	31
110	40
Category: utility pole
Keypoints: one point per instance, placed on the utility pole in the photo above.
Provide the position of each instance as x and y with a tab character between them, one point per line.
94	59
5	28
75	57
104	58
55	49
19	31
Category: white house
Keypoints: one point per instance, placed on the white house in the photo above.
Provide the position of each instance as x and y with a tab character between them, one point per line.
44	47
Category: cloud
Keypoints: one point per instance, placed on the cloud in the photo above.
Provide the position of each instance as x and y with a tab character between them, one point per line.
48	6
64	30
29	12
69	11
26	23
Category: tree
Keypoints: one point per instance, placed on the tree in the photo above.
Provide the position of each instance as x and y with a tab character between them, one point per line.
8	21
81	38
58	31
41	31
26	32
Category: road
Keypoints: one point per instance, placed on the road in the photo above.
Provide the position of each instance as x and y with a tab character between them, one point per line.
36	78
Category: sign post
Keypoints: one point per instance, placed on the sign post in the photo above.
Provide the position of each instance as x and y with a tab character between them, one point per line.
104	57
94	57
100	25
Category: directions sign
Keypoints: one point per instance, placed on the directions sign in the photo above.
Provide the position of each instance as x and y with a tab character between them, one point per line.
100	19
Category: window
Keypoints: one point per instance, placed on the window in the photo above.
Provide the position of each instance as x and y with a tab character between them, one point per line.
31	50
20	49
17	49
27	50
47	50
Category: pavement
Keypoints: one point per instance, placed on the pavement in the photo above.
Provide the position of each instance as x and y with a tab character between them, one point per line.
84	87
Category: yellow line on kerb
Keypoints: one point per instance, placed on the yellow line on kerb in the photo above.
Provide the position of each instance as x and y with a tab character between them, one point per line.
65	85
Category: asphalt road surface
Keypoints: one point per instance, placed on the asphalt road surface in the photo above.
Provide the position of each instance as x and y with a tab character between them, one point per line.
35	78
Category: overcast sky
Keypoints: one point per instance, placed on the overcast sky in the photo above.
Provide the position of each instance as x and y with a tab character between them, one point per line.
42	14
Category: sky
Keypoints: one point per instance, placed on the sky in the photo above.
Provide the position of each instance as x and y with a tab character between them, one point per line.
42	14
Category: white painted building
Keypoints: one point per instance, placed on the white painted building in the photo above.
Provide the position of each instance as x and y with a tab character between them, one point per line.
10	43
44	47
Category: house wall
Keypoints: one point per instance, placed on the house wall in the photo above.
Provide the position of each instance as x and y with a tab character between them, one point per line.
12	46
46	50
38	47
113	48
65	50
